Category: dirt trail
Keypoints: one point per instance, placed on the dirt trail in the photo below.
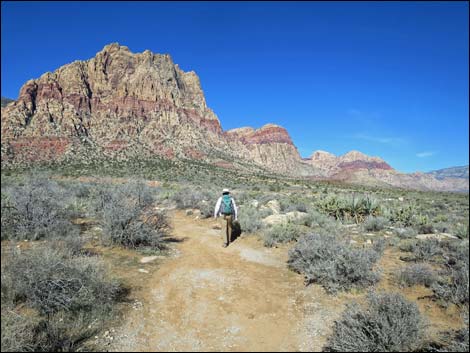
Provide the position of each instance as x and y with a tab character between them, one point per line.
240	298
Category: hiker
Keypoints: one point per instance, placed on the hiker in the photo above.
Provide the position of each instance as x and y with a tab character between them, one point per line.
226	206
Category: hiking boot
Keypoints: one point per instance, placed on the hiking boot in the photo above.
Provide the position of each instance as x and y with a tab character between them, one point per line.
224	245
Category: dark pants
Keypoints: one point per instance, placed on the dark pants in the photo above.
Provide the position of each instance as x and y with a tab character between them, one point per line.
228	229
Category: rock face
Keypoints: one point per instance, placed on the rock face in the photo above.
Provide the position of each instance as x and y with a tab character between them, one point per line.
269	145
351	161
122	104
115	100
138	103
357	167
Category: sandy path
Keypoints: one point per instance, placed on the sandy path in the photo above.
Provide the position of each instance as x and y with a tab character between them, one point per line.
241	298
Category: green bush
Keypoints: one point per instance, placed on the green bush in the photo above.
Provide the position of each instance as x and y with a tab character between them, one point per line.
461	231
350	207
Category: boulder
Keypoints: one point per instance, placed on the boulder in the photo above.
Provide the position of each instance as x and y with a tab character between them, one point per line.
254	203
274	206
283	218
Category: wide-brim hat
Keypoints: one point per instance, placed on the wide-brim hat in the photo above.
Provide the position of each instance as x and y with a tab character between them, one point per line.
225	191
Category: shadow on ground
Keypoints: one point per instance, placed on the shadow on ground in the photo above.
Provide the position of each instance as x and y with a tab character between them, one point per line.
236	230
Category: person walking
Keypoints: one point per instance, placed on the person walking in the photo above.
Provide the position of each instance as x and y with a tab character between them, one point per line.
226	207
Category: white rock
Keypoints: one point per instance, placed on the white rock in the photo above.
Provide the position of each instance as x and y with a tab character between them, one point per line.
254	203
275	206
147	259
143	271
438	236
283	218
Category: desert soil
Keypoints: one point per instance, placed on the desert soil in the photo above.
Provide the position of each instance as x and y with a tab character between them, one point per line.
209	298
242	298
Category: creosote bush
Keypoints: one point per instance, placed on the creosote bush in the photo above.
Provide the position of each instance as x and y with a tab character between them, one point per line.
333	262
388	323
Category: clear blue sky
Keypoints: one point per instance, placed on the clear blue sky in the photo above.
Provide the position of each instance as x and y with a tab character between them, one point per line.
388	78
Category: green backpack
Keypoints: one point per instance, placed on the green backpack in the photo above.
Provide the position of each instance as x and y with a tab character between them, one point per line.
227	204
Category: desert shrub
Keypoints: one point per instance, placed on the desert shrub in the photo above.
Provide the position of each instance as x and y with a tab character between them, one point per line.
207	210
422	250
67	299
128	219
190	197
292	203
38	209
388	323
405	233
417	274
402	216
132	227
50	280
333	262
459	341
250	219
59	332
314	218
441	227
375	223
19	333
422	225
282	233
350	207
461	231
453	284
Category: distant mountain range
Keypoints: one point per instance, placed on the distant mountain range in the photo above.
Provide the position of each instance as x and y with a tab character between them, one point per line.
5	101
453	172
122	104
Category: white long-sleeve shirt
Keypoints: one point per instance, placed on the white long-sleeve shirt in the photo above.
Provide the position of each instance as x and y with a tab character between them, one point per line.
217	210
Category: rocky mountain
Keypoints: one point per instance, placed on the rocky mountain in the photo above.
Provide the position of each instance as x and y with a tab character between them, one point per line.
351	161
356	167
120	104
452	172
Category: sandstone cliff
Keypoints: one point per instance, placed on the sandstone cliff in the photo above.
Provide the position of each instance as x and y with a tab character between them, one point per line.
270	146
119	104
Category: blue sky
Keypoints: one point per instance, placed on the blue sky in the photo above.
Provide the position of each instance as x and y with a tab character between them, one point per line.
387	78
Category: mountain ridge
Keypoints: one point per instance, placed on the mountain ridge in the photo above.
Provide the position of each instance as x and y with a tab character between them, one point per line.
143	103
